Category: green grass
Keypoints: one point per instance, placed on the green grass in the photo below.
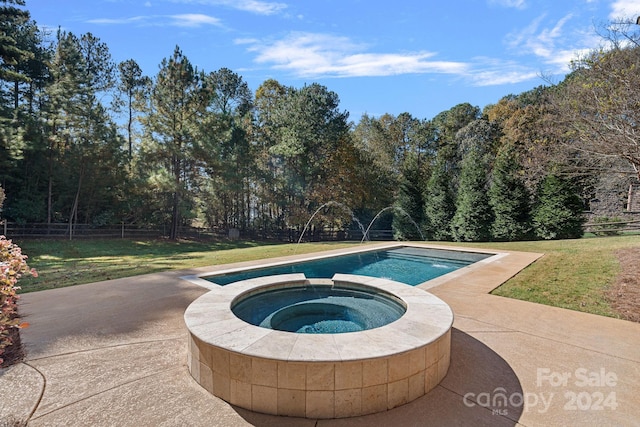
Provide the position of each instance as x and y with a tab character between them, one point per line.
572	274
62	263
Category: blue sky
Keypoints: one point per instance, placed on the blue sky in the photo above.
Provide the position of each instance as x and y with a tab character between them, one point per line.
421	57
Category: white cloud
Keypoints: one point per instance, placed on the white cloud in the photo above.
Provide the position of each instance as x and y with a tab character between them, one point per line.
183	20
502	77
312	55
321	55
554	45
494	72
517	4
252	6
194	20
119	21
624	9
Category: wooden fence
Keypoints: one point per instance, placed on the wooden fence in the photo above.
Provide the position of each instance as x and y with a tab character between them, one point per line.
612	227
82	231
87	231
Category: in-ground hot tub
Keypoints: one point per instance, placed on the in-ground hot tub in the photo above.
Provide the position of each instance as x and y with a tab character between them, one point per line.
318	308
308	348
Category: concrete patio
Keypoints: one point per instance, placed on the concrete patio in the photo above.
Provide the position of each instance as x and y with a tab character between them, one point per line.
114	353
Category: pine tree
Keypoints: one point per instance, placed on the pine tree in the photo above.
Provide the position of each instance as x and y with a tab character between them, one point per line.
472	220
177	104
558	211
439	205
83	152
409	213
12	56
509	199
11	18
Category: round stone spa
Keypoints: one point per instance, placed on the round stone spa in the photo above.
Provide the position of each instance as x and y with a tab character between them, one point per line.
318	348
319	309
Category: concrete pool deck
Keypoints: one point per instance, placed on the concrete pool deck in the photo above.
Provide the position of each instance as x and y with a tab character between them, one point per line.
114	353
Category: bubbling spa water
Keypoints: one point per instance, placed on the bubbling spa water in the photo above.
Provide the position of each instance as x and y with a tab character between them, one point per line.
320	309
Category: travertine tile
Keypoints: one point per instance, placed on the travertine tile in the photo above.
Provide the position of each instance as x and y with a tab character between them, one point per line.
315	347
443	367
240	394
397	393
348	375
209	332
220	361
416	385
431	377
320	376
241	338
374	399
194	347
291	403
444	344
323	375
206	377
194	368
398	367
275	345
320	404
292	375
431	354
374	372
206	352
221	386
417	360
264	399
264	372
240	367
348	403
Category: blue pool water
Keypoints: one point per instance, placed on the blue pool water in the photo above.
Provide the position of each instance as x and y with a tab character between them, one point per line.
316	309
408	265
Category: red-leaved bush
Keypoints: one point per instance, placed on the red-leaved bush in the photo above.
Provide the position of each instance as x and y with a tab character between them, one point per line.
13	264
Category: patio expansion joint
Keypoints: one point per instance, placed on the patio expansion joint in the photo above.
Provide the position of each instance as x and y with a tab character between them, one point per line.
41	395
531	334
89	350
499	328
126	383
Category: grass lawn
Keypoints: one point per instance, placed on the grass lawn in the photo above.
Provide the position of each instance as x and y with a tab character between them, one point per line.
573	274
63	263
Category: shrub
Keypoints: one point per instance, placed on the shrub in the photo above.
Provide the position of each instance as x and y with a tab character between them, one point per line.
13	264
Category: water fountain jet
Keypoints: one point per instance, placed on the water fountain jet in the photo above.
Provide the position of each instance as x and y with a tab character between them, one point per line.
329	203
366	233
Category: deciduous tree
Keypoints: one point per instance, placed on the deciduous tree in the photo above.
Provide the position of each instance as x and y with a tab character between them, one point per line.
600	102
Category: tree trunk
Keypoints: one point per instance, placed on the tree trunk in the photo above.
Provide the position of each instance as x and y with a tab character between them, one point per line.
76	201
175	212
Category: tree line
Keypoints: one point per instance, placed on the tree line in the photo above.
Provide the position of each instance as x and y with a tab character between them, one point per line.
86	140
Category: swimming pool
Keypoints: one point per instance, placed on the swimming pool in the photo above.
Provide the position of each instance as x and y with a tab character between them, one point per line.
410	265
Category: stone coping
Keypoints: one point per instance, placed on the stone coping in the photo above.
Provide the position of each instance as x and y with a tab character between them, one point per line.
318	375
210	319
